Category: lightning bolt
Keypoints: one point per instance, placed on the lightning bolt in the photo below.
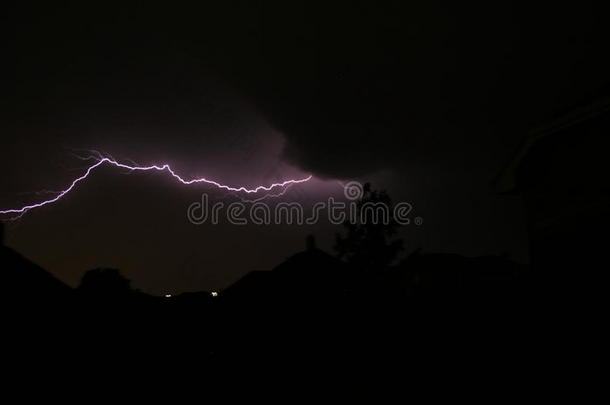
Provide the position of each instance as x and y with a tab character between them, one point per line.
281	193
101	160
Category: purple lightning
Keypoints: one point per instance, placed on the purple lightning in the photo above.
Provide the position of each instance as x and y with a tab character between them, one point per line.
101	160
281	193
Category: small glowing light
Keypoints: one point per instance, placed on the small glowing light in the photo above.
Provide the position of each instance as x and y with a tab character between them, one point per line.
214	294
168	295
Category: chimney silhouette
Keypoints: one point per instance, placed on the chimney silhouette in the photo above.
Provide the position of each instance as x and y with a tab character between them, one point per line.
310	243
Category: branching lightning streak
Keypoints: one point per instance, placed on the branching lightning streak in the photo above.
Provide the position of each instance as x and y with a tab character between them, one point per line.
107	160
281	193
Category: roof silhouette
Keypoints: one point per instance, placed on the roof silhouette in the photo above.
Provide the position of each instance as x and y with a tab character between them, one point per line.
25	279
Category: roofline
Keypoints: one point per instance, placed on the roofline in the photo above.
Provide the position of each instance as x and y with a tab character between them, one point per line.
506	180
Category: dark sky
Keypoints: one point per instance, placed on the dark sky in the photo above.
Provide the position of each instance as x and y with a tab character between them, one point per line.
427	100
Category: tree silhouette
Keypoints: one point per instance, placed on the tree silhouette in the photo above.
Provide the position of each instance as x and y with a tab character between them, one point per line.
105	282
369	243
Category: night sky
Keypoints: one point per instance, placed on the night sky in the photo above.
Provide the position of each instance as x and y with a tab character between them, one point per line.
426	100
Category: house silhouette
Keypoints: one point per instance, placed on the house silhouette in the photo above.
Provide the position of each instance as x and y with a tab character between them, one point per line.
25	281
304	277
560	170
